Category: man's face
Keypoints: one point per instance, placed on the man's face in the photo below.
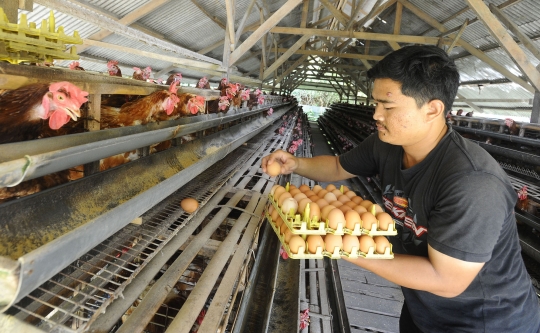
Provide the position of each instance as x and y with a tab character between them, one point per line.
399	120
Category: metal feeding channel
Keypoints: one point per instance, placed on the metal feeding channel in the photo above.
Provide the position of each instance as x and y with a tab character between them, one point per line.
74	298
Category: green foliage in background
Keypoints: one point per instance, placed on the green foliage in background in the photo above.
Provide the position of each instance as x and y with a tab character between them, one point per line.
315	98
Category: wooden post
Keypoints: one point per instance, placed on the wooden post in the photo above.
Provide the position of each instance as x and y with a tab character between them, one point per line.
535	115
92	123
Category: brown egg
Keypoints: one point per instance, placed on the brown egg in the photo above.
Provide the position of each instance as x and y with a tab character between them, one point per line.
282	198
279	191
357	200
273	169
283	228
314	211
332	241
321	203
351	204
350	194
352	218
273	189
294	191
359	209
287	236
302	205
344	208
317	188
345	189
365	243
303	188
350	242
368	220
366	204
377	208
384	220
337	193
381	243
296	243
189	205
314	198
271	209
279	222
336	217
329	197
274	215
330	187
336	204
314	241
325	210
343	198
309	193
322	193
289	207
299	196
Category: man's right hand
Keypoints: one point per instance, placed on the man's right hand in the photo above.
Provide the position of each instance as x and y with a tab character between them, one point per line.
288	162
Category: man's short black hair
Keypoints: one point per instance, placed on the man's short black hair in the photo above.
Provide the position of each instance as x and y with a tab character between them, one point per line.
424	71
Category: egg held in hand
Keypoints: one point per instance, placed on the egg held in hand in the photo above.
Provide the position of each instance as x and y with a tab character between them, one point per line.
273	169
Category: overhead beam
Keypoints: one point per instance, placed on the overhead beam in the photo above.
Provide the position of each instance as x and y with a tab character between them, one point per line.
334	54
189	62
91	16
507	42
211	47
213	18
471	49
263	29
338	14
127	20
397	21
285	56
292	68
229	6
527	42
240	29
458	36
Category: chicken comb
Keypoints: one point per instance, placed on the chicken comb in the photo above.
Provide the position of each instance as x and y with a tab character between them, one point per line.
73	65
112	63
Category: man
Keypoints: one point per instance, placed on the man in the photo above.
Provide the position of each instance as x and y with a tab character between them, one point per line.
457	254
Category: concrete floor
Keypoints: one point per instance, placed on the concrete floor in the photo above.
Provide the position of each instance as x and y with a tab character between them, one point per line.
373	303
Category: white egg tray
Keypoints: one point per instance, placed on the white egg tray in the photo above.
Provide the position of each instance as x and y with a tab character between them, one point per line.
320	253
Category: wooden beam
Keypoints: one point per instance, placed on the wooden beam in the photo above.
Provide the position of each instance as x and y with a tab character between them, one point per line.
335	54
471	49
26	5
11	9
292	67
211	47
527	42
240	29
338	14
357	35
286	55
193	63
394	45
165	71
535	114
210	16
397	22
376	10
263	29
127	20
303	22
506	41
86	14
469	103
229	6
458	36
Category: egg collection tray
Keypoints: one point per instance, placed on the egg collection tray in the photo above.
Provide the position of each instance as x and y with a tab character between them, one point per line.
320	253
302	225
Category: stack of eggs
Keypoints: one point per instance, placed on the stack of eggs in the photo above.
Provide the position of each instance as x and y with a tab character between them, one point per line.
362	223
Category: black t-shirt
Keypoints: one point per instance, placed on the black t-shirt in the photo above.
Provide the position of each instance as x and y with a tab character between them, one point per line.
460	202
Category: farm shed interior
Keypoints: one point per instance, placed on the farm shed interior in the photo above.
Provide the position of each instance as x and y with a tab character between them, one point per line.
112	250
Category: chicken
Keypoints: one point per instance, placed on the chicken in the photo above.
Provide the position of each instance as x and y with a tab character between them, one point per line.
141	111
113	69
75	66
459	112
203	83
23	110
523	202
187	105
147	73
511	127
174	77
138	74
469	114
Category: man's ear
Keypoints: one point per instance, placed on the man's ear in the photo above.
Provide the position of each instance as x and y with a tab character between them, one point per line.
435	108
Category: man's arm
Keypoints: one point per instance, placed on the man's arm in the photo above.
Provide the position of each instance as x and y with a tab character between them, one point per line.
319	168
438	274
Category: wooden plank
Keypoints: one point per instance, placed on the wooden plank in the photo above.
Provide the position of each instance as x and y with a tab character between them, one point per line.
263	29
471	49
229	7
397	22
26	5
334	54
506	41
394	45
211	47
210	16
527	42
535	114
292	67
458	36
189	62
286	55
240	29
338	14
